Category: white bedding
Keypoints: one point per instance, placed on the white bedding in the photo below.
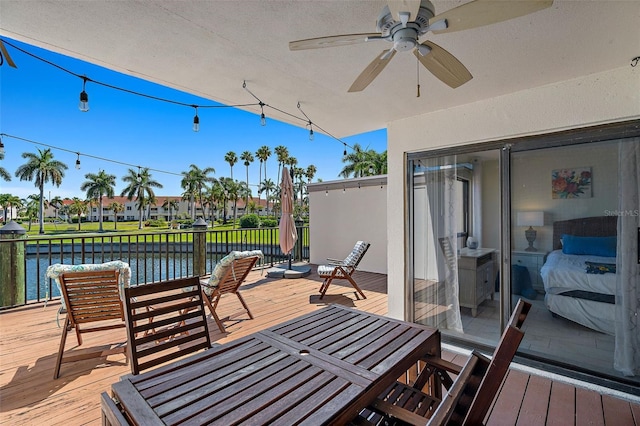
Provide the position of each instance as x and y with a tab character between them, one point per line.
565	272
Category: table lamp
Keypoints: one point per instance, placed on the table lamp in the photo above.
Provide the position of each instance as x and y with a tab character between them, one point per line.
530	219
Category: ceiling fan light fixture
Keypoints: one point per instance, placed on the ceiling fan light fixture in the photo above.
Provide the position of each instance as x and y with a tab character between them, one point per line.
423	49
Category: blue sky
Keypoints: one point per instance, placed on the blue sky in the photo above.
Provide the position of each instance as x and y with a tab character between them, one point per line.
39	102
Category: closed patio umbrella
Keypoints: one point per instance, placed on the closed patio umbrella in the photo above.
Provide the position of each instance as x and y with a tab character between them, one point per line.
288	231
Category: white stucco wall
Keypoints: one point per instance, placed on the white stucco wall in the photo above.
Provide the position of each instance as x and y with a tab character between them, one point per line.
342	213
594	99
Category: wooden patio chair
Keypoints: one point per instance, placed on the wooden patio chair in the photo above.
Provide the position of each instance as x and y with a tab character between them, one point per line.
165	320
90	297
226	278
343	269
468	397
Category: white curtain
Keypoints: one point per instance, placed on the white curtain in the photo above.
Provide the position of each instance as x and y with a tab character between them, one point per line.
476	223
627	327
436	245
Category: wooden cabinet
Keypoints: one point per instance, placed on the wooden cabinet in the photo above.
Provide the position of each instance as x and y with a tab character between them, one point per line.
476	277
533	261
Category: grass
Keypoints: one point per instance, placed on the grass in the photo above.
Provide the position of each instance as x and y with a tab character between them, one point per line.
128	231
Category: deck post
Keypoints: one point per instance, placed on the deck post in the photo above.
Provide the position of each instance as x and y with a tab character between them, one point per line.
199	247
12	261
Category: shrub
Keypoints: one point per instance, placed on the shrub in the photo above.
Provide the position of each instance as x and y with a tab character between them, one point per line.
157	223
269	223
249	221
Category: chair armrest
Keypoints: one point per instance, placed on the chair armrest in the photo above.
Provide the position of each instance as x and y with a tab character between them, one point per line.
441	364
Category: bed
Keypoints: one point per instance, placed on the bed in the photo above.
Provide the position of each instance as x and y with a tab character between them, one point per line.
572	293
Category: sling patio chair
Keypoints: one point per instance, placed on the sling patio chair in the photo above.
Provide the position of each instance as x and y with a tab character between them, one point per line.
226	278
165	320
468	397
89	297
343	269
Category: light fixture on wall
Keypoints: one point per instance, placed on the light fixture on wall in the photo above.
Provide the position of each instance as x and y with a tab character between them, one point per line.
530	219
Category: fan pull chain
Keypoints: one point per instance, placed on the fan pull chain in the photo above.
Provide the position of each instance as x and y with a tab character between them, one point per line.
418	76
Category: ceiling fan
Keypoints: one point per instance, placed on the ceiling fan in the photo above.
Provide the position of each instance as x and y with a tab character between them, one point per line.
403	22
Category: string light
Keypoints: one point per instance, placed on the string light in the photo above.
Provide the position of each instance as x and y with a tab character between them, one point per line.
311	131
88	155
344	153
78	161
139	176
84	98
196	120
1	147
263	119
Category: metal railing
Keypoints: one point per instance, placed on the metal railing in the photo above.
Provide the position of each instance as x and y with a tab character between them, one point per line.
152	256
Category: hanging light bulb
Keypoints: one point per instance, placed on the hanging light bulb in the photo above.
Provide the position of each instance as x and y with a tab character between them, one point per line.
311	131
78	161
263	119
1	147
139	177
345	149
84	98
196	121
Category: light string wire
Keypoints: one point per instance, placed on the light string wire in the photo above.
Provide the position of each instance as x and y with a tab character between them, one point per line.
260	103
88	155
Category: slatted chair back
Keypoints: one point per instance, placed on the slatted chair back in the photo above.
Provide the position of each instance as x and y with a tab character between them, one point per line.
90	297
343	269
230	281
165	321
502	357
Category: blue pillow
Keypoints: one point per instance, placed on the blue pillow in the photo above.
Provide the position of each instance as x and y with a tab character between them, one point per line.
595	246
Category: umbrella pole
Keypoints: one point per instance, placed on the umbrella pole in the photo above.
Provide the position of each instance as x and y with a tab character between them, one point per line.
290	259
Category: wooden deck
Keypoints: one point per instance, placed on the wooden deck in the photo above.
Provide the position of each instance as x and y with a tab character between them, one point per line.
29	339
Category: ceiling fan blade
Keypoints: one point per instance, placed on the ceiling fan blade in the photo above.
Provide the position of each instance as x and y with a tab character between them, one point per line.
443	65
484	12
410	6
331	41
372	70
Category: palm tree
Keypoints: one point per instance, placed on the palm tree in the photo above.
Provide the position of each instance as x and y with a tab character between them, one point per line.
283	154
225	187
267	186
97	186
231	158
56	203
4	174
78	207
263	153
141	186
41	168
30	207
194	182
299	174
247	157
171	205
116	208
311	172
5	203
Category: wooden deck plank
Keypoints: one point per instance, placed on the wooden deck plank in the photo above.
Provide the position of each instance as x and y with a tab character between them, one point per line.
588	408
534	405
562	396
507	405
29	339
616	411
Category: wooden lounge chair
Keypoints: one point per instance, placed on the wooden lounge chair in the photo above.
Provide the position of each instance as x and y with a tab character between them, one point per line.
226	278
165	321
468	398
90	297
343	269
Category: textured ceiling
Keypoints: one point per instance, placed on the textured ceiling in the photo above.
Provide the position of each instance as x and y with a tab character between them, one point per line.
209	48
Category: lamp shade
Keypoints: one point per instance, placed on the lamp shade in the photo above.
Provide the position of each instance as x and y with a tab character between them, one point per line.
530	219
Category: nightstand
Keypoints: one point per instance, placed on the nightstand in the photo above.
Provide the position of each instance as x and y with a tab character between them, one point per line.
476	277
533	261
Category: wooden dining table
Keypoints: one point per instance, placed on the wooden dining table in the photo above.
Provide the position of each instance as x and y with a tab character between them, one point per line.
320	368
